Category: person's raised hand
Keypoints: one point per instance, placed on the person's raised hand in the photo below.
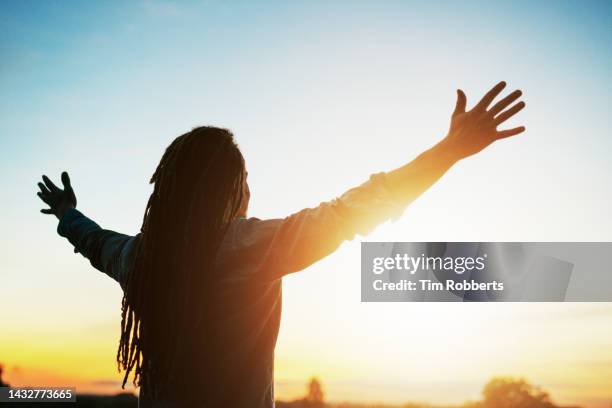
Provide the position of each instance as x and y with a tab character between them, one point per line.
473	130
58	200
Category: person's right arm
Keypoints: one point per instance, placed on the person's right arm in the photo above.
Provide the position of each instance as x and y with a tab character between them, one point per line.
470	132
269	249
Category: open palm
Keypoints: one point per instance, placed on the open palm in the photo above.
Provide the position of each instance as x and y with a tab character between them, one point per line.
58	200
473	130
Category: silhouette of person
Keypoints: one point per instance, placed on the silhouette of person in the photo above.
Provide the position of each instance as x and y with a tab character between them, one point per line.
202	282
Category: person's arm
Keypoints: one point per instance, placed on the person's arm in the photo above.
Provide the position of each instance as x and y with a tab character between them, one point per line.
106	250
265	250
470	132
269	249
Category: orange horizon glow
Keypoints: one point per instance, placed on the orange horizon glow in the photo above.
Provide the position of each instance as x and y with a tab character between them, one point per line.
572	375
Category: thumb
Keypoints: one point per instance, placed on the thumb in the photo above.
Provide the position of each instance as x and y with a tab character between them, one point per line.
461	102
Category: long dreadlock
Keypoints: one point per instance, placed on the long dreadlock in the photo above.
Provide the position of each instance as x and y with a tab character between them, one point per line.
198	190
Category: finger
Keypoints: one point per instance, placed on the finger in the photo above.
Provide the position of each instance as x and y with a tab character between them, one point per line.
504	116
43	189
489	96
46	211
461	102
510	132
42	197
504	103
50	184
68	187
66	181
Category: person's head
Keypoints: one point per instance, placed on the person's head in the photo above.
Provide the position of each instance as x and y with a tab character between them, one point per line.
199	188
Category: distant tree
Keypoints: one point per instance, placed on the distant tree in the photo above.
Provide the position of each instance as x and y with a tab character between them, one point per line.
473	404
514	393
2	383
314	396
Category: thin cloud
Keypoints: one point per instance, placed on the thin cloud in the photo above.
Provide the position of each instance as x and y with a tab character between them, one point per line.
160	8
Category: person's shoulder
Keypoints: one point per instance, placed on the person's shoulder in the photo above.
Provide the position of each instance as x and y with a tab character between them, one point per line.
244	232
246	221
253	223
128	251
241	226
127	258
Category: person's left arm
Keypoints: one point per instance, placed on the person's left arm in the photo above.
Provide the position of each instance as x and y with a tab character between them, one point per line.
106	250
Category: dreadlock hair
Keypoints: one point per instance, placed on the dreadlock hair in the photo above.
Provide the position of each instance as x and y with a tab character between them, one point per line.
198	190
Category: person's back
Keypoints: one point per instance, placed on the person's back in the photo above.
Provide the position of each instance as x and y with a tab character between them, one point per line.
229	360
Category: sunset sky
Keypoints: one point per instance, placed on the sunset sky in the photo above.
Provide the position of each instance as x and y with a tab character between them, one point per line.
319	95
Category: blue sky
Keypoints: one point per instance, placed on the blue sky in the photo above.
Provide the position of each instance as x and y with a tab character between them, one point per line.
319	95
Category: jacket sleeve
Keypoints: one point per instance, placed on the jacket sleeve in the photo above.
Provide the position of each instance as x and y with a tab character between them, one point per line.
270	249
107	251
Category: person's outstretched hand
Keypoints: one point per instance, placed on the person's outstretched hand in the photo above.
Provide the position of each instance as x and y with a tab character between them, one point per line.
59	200
473	130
